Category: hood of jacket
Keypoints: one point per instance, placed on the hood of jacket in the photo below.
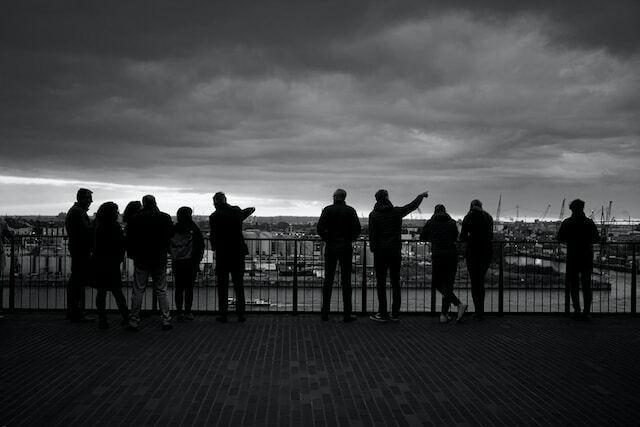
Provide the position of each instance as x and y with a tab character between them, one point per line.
383	206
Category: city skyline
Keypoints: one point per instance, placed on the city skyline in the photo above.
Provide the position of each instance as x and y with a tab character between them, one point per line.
278	105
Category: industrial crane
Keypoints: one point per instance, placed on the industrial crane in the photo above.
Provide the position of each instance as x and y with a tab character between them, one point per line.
562	209
546	211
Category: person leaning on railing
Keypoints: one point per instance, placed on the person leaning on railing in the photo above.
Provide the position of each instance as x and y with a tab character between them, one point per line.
441	230
477	233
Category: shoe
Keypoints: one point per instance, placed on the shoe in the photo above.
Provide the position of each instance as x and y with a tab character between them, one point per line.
181	318
462	308
585	317
242	319
394	318
132	327
189	317
221	319
325	318
576	315
166	326
103	324
379	317
348	319
445	318
478	317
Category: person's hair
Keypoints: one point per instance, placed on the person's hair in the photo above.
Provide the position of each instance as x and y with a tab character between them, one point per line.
382	195
133	208
83	192
340	194
107	213
149	202
475	203
219	197
184	214
576	205
439	209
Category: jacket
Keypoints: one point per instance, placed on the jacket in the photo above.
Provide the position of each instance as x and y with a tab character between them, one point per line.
477	232
226	235
148	238
579	233
108	254
385	224
80	231
338	226
441	230
197	251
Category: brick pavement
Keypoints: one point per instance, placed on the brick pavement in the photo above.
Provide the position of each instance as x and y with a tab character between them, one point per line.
286	370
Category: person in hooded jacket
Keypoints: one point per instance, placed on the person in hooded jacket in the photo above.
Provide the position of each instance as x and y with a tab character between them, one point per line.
441	230
477	233
187	250
385	230
108	255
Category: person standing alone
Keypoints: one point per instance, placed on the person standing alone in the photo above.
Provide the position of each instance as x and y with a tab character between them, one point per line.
579	233
338	227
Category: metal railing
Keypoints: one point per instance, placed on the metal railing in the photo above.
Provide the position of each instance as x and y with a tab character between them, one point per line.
285	274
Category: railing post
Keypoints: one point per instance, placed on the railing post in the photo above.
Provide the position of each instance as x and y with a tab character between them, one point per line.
295	277
501	280
634	274
433	288
567	290
12	275
364	277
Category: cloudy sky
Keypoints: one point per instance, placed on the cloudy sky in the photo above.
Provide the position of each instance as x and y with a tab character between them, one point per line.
279	103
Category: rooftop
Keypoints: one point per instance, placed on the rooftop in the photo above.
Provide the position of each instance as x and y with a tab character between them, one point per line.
297	370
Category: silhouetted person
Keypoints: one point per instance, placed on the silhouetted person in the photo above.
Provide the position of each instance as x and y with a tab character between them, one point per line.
385	230
228	243
338	227
132	209
477	232
80	234
5	233
148	237
108	255
579	233
441	230
187	249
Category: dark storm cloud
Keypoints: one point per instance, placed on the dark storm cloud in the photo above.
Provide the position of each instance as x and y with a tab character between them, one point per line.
294	98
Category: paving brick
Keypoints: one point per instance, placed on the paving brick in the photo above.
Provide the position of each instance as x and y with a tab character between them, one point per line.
296	370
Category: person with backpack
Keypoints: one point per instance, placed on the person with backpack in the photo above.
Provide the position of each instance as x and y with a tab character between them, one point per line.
441	230
108	254
187	250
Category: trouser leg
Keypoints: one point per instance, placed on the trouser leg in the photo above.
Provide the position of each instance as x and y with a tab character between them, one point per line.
101	302
395	262
159	277
188	288
179	280
121	302
585	279
345	281
75	291
381	265
223	291
444	269
237	277
477	270
330	262
573	280
140	279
